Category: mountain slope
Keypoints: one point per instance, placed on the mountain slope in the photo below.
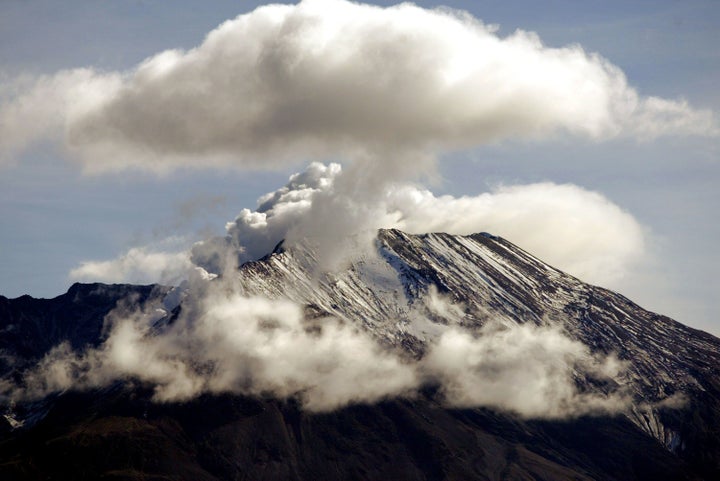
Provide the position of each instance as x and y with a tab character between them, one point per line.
406	291
493	279
29	327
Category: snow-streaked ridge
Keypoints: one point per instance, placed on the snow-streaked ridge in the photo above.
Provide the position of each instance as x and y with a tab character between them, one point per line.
391	290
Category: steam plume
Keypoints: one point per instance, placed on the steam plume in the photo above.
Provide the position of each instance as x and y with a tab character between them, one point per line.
576	230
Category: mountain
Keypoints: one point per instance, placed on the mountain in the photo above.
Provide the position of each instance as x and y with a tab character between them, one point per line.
29	327
398	292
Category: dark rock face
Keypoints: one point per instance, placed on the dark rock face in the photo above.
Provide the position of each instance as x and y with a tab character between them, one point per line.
30	327
118	433
122	435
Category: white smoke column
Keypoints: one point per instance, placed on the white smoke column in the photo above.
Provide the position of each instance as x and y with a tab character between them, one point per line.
331	78
254	233
383	89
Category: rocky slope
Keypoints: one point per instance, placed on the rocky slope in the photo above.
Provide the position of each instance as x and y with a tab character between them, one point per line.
30	327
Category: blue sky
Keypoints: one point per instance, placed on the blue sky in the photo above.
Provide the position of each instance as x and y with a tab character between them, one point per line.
54	216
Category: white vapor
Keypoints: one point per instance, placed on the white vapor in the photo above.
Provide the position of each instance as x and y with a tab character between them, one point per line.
573	229
225	342
523	368
324	78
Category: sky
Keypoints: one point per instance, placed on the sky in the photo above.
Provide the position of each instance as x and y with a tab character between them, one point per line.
56	213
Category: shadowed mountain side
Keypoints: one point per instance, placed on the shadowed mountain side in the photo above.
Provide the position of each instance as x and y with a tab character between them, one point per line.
30	327
122	435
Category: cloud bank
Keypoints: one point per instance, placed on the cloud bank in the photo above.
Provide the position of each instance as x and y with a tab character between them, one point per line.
523	368
330	78
224	342
576	230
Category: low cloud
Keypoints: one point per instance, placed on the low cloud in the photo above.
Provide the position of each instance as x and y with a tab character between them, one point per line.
522	368
230	343
291	83
166	262
225	342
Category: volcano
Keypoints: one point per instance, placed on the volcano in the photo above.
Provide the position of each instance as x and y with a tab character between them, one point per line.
405	293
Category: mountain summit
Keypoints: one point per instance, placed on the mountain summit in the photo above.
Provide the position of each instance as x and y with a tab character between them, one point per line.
424	357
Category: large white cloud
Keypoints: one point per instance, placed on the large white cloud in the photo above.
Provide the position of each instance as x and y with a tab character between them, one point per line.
333	78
